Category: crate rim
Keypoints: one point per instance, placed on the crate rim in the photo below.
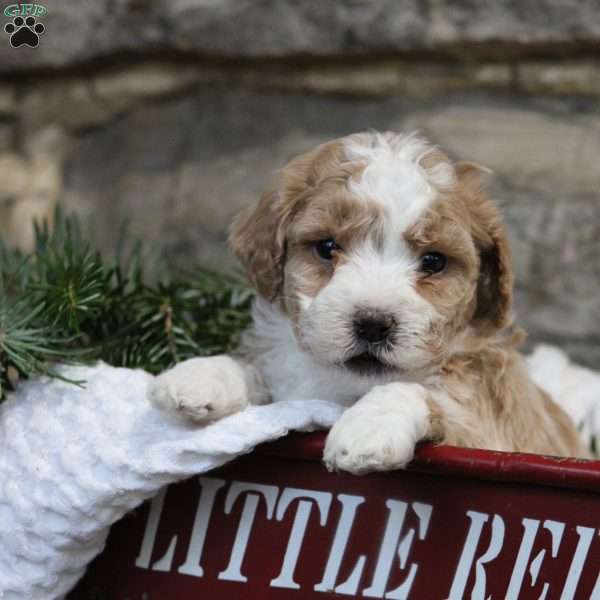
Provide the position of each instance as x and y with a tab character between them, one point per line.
508	467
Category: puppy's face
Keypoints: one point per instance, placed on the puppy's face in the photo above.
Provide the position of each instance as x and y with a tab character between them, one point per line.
381	252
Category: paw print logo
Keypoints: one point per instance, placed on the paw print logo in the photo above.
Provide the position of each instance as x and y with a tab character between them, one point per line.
24	32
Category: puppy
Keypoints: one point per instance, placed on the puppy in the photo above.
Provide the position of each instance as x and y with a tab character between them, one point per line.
384	284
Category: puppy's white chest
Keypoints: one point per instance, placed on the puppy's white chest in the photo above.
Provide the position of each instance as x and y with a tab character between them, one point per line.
289	372
291	375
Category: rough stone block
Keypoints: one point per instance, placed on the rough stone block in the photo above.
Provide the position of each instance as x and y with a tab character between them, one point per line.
82	31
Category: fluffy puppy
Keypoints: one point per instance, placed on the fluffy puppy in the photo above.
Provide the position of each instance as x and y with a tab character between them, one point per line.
384	284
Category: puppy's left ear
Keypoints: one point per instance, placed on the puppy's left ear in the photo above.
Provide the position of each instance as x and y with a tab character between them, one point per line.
496	278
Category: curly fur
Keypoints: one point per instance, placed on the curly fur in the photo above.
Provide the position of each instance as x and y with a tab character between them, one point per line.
452	372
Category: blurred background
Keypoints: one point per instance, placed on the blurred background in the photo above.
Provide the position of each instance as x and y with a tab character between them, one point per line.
175	113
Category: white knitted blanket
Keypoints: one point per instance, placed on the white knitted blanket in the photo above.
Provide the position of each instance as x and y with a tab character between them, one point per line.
75	460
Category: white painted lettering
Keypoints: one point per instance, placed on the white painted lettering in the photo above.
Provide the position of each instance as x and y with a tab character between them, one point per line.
269	493
150	531
423	512
388	549
210	487
393	546
338	549
586	534
457	591
531	527
156	506
285	579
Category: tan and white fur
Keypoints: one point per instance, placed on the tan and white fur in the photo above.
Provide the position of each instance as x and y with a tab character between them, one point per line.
352	308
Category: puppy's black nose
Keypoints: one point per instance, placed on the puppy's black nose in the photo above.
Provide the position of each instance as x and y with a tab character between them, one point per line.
373	326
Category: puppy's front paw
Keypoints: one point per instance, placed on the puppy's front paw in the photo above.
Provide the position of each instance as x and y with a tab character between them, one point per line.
380	432
201	389
361	445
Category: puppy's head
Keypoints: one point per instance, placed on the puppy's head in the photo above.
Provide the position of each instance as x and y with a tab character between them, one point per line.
381	252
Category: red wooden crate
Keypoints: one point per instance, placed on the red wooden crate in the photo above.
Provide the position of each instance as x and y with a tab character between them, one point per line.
276	525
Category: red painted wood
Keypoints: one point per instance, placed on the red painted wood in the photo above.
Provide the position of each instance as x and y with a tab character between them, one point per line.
462	489
496	466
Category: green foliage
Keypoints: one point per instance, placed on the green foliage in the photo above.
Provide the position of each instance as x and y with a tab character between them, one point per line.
65	302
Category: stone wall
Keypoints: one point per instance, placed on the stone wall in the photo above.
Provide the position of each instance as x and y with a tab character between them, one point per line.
175	113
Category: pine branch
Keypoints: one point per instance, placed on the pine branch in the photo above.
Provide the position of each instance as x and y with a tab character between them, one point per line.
67	303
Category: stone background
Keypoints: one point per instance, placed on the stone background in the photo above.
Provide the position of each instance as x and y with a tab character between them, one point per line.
174	113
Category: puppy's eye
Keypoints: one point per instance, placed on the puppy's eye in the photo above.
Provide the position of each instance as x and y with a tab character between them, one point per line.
433	262
326	248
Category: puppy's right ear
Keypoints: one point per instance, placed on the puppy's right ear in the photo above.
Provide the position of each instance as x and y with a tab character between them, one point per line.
258	235
257	238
